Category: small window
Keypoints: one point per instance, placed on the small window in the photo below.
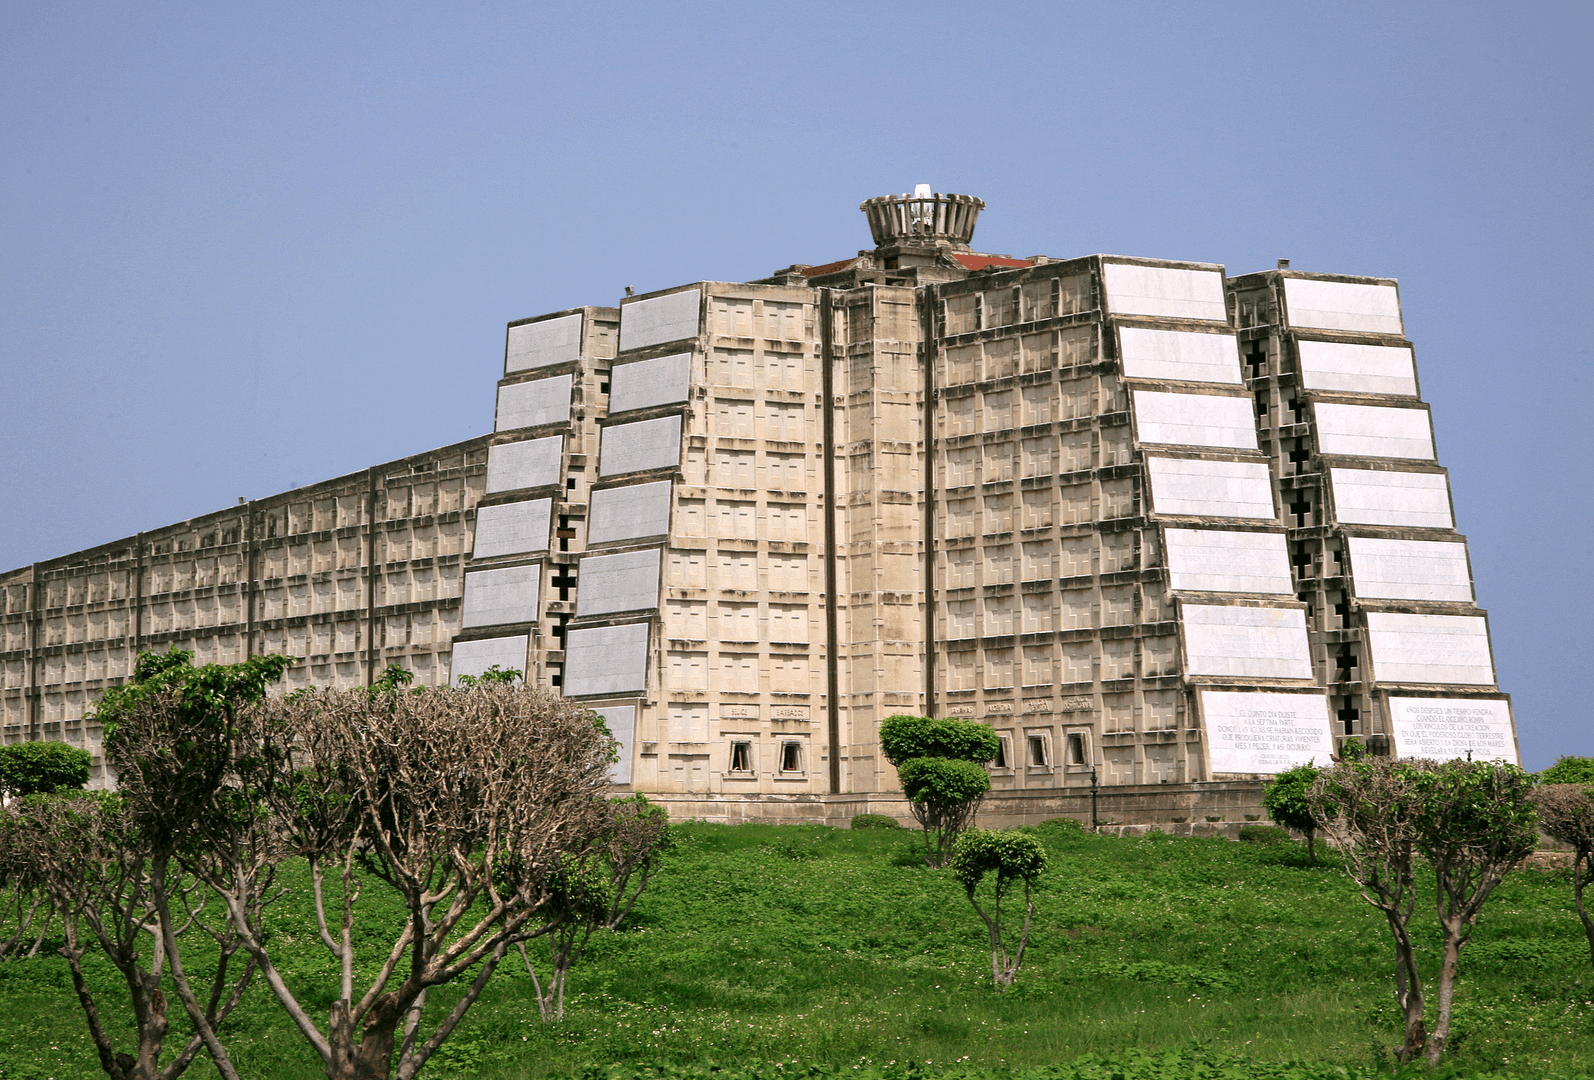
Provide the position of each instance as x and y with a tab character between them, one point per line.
570	483
603	388
741	757
1076	750
1000	760
791	757
1037	750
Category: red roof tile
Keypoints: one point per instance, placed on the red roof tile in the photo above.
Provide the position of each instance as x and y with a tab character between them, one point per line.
979	262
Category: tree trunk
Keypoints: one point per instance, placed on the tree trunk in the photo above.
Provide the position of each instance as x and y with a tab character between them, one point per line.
1582	866
1454	930
1311	847
1408	992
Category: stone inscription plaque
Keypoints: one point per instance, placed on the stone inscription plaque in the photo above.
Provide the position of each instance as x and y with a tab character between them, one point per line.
960	710
789	712
1446	728
1265	733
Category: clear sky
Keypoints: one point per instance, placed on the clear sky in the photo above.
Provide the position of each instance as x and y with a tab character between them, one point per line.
248	247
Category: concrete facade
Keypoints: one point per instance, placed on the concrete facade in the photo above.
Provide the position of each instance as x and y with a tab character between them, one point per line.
1159	527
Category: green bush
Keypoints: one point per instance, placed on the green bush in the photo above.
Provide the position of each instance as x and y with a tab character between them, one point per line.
1569	770
903	738
942	780
1263	834
37	768
875	821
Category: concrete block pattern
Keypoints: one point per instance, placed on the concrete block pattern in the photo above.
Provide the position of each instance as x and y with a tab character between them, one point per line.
1159	290
1265	733
512	528
628	581
606	660
495	597
1257	643
1238	489
543	344
1410	569
530	463
1179	355
660	319
1214	560
1451	649
1374	497
1374	431
646	444
1342	305
474	657
629	513
1447	728
646	383
1366	369
621	722
528	404
1195	420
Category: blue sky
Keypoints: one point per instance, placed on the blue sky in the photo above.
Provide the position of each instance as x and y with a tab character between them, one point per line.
249	247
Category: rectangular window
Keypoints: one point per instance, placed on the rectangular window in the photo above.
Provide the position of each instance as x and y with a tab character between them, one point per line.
1076	750
791	757
1037	751
741	757
1000	760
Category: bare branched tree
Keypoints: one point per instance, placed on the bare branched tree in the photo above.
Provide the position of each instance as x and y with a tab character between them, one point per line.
1567	813
25	908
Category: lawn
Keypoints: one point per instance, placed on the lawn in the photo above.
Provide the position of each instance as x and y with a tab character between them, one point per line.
823	949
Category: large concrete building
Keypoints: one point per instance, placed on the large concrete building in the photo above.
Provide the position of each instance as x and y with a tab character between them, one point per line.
1166	531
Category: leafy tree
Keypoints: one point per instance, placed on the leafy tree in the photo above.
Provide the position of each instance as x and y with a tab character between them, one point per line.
941	764
32	768
1569	770
1012	857
493	676
1566	812
1286	803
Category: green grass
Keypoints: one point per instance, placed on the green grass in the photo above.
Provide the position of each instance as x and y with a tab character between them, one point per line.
830	948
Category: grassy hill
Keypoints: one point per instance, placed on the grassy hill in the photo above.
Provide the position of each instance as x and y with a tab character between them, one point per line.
825	949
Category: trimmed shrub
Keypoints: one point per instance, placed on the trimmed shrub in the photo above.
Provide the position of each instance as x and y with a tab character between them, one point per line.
1569	770
1263	835
903	738
39	768
875	821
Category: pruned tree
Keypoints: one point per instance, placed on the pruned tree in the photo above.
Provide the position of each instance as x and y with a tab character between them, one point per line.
1566	812
25	908
941	764
1285	801
1013	857
1569	769
35	768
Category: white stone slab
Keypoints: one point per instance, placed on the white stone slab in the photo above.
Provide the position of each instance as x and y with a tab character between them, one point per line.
646	444
475	657
1429	648
1374	431
512	528
1180	355
628	581
1366	369
1195	420
1342	305
528	404
621	722
1262	643
1237	489
1374	497
525	464
1265	733
662	318
543	344
1447	728
606	660
1410	569
495	597
643	384
629	513
1159	290
1214	560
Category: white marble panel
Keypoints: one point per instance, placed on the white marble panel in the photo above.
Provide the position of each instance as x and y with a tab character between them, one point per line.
1261	643
1195	420
528	404
621	722
606	660
1374	431
1214	560
529	463
543	344
495	597
643	384
629	513
1429	648
1366	369
1374	497
1160	290
475	657
646	444
1179	355
1342	305
1265	733
1237	489
662	318
1447	728
1410	569
628	581
512	528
